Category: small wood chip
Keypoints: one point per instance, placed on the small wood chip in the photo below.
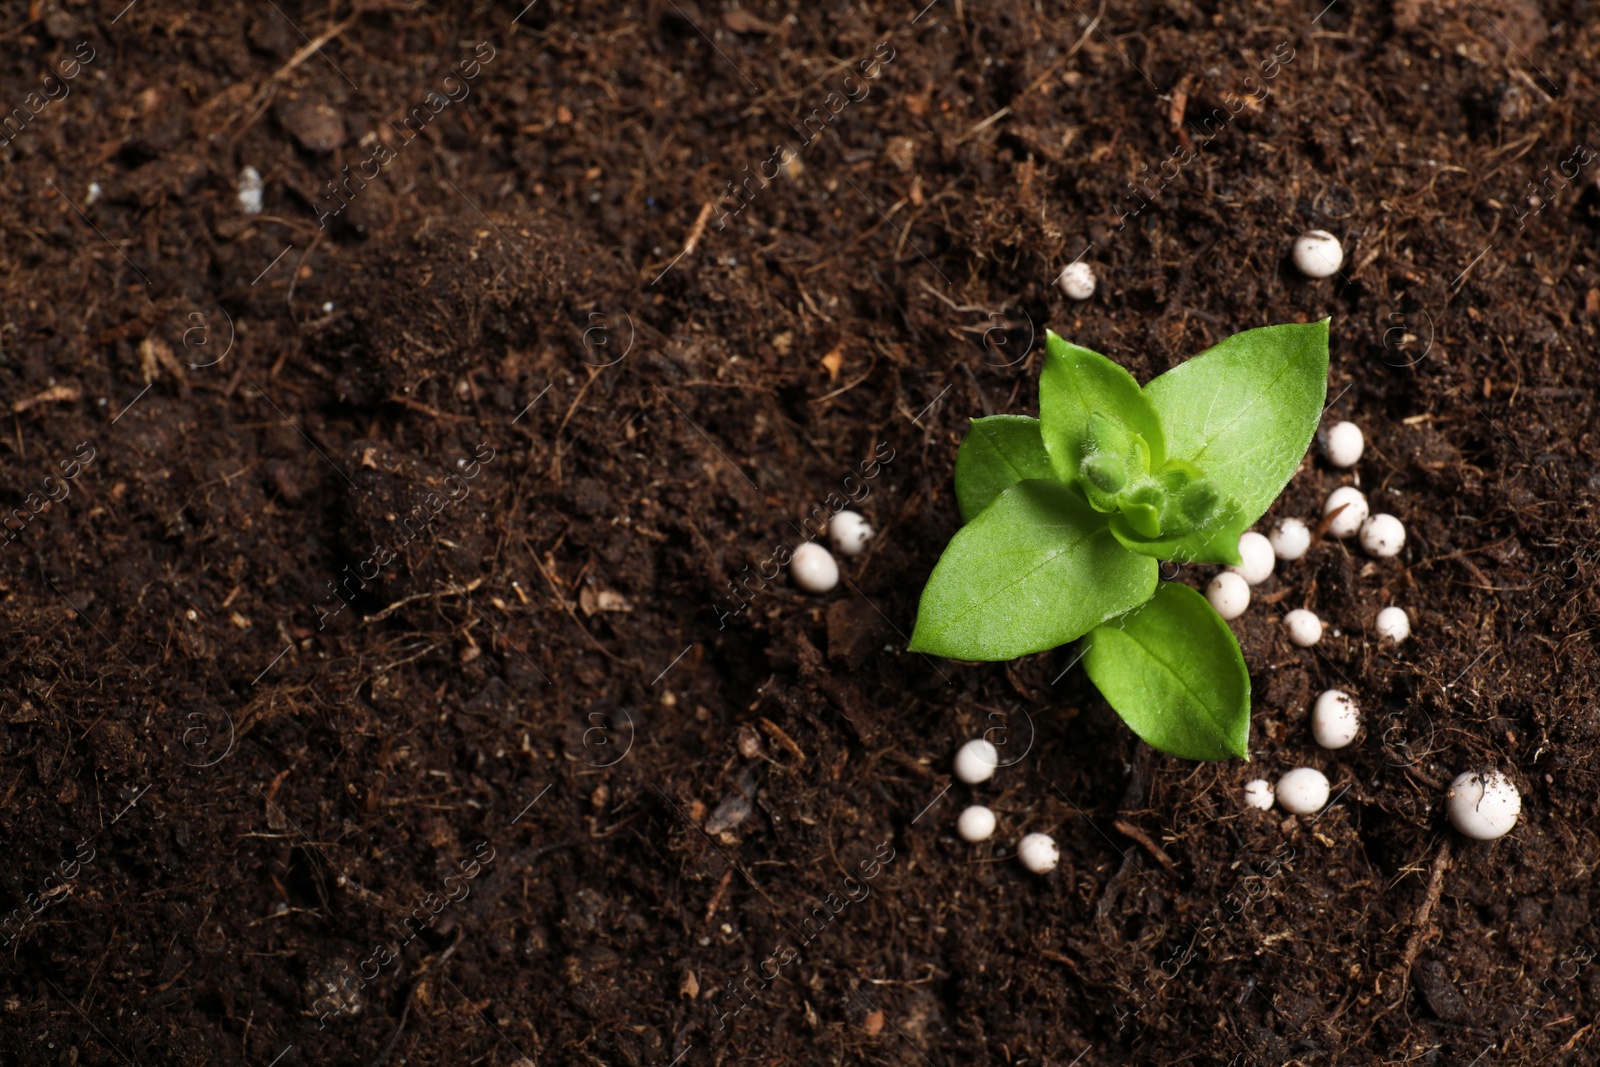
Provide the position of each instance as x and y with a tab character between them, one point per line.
1180	102
1130	830
874	1024
53	395
162	352
782	738
833	361
740	20
592	599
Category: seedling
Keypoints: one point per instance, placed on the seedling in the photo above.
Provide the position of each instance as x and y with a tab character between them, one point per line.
1067	514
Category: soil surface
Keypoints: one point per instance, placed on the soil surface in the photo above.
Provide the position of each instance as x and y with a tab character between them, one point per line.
395	664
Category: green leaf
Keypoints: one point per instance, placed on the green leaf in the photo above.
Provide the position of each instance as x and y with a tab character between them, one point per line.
1076	386
1036	569
1245	410
998	452
1173	670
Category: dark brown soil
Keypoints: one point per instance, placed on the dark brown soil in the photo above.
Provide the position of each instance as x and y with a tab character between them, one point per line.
223	785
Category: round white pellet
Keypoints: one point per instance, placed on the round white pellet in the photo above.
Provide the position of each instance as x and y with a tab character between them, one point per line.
1038	853
1077	281
1335	719
1229	594
1257	558
1303	790
813	568
1393	624
1348	521
1305	629
1342	443
1258	793
1483	806
975	824
976	761
1318	254
1290	538
850	533
1383	536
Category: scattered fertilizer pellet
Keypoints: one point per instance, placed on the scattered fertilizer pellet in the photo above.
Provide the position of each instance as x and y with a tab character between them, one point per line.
1335	719
1038	853
1077	281
1257	558
1290	538
1303	790
1383	536
976	824
1348	521
1258	793
976	761
1305	629
1343	444
1394	624
250	190
1483	806
850	533
813	568
1229	594
1318	254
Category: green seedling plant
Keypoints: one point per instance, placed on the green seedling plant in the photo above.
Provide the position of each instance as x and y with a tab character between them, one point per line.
1067	515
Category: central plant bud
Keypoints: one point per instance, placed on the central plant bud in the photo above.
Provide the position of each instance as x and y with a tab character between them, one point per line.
1113	460
1142	506
1174	501
1106	473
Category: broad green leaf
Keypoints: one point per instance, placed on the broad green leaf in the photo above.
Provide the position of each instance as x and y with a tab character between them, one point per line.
1173	670
1036	569
998	452
1076	386
1245	410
